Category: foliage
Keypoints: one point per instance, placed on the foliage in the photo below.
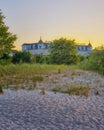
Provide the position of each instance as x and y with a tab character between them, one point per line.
94	62
5	61
6	38
82	58
63	51
40	58
21	57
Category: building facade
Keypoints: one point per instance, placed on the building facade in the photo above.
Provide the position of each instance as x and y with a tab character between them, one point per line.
43	48
37	48
84	50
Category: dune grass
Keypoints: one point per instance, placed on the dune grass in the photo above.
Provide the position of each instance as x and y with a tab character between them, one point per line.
31	68
73	89
26	75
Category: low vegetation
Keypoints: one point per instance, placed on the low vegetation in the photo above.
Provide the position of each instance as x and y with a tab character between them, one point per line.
71	89
26	76
94	62
21	57
58	78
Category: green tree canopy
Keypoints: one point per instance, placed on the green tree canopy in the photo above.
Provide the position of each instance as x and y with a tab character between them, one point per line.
6	38
63	51
21	57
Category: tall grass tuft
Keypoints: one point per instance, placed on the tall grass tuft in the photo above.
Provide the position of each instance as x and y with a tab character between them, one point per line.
73	90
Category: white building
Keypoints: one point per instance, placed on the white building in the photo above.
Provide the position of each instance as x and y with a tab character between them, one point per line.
84	50
37	48
43	48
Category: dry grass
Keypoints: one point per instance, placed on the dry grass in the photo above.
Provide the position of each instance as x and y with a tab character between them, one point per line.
58	78
26	76
73	90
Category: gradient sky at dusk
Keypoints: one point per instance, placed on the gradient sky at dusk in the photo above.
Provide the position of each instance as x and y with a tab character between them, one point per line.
82	20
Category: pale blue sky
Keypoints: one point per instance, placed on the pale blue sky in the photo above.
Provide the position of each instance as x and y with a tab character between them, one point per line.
82	20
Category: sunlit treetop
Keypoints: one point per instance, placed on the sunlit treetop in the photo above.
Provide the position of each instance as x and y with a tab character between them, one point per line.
6	38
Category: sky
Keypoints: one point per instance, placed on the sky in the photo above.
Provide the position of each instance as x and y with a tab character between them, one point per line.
82	20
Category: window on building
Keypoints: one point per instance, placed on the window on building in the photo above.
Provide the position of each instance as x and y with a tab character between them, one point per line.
79	48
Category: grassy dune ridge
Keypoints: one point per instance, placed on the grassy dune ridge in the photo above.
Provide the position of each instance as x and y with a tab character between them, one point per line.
57	78
30	69
26	75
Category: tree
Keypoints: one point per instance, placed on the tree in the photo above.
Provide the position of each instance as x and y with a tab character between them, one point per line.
6	38
63	51
24	57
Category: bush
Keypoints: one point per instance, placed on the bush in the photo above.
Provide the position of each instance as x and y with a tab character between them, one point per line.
40	58
24	57
5	59
5	62
94	62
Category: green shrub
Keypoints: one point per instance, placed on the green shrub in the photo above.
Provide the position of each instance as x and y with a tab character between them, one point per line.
21	57
41	59
94	62
5	61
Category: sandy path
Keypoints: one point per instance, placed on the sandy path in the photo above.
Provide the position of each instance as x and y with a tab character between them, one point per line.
30	110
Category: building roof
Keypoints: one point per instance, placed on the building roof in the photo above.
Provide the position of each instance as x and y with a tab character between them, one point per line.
40	41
